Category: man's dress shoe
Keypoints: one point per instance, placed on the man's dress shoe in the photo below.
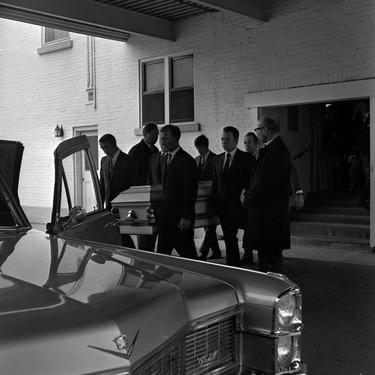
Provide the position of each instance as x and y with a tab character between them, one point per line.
247	258
214	256
202	257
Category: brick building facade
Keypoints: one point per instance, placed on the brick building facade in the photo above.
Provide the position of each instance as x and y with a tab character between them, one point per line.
304	44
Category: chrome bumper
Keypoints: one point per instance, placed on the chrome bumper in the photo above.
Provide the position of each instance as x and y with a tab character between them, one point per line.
303	370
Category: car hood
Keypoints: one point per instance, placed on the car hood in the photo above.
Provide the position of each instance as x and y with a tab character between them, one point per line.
65	304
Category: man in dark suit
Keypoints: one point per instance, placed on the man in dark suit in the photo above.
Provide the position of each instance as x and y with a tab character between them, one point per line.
267	227
232	171
205	173
141	154
155	167
175	220
142	151
252	145
117	173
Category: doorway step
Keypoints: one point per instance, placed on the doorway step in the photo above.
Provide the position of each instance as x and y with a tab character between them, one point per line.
332	220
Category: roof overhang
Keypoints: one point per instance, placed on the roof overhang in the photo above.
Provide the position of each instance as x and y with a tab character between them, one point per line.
85	16
248	8
115	19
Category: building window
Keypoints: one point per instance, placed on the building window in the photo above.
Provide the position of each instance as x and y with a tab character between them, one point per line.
54	40
168	90
53	35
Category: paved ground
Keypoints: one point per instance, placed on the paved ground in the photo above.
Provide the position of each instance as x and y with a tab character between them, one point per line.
338	313
338	288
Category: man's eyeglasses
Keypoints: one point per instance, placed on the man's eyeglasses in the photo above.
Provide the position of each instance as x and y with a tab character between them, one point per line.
257	129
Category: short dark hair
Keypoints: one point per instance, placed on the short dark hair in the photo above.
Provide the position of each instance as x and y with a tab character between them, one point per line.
233	130
108	138
271	123
201	140
173	129
148	128
254	136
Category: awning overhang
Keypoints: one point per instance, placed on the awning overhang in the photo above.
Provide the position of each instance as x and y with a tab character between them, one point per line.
87	17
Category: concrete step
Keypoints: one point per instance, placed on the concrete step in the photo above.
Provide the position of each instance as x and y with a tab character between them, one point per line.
330	218
355	244
334	210
337	230
316	201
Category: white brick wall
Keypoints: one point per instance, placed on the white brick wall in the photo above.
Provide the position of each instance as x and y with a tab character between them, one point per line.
304	43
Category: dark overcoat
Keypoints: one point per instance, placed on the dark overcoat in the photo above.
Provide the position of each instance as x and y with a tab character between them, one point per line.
267	226
179	189
226	188
206	170
141	154
123	176
155	166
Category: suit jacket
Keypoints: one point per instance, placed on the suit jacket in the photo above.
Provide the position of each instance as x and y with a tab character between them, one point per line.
267	226
123	176
179	189
141	154
295	181
206	170
155	166
226	189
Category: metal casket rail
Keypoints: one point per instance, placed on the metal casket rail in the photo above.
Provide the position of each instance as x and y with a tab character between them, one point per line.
137	206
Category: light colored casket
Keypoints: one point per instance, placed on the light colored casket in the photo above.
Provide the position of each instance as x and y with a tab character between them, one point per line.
136	208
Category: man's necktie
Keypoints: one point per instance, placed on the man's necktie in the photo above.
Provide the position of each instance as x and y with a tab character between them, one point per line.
166	161
169	157
201	161
227	164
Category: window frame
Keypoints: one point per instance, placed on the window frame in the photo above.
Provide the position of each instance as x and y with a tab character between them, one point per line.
54	45
168	79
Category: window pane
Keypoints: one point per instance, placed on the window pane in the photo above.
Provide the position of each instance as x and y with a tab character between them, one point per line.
153	108
67	193
70	196
93	140
54	34
182	72
182	105
154	76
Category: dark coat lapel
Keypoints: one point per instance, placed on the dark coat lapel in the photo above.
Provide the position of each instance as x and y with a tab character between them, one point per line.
171	163
208	161
221	165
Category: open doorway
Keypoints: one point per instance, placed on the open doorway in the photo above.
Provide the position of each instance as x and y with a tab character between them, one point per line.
329	144
344	146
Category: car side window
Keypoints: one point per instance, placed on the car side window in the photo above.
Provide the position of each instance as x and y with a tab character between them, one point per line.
77	184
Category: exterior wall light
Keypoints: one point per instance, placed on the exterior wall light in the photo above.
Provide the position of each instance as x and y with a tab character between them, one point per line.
59	131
